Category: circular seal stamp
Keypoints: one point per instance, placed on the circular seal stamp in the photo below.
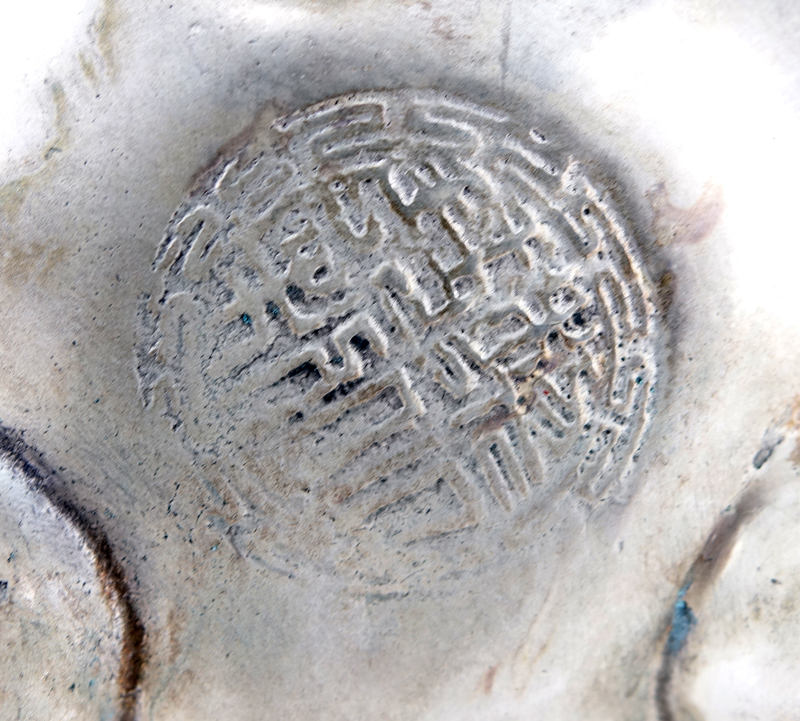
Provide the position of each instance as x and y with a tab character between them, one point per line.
404	322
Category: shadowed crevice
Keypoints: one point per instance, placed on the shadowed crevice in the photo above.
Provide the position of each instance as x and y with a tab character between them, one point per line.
707	566
110	573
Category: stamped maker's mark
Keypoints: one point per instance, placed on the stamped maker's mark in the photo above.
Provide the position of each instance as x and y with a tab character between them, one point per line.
407	318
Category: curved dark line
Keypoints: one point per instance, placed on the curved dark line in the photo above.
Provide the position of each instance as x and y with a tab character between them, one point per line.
706	567
109	571
663	687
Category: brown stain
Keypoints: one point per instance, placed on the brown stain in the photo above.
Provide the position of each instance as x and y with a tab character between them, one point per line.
88	69
525	662
110	573
14	193
488	679
666	291
523	658
19	264
176	621
672	224
443	27
717	549
61	122
794	425
342	493
104	26
235	145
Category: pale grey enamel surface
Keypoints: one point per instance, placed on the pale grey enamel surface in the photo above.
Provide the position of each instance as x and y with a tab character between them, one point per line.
699	97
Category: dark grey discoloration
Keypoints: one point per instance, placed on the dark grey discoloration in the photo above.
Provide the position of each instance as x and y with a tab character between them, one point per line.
771	440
